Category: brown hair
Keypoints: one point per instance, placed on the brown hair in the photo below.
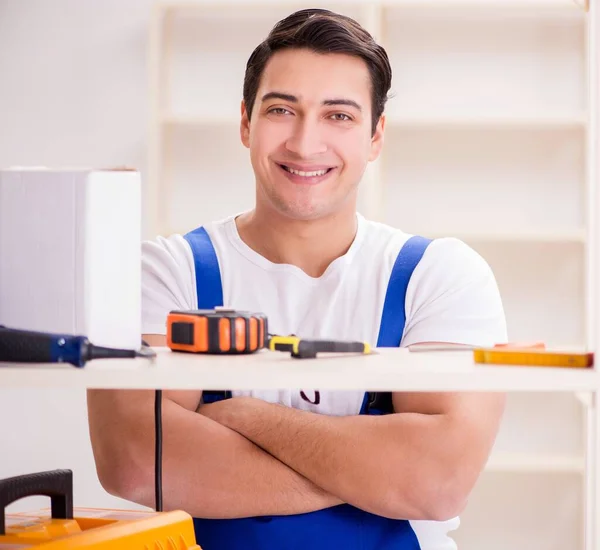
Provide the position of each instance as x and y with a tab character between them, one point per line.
322	31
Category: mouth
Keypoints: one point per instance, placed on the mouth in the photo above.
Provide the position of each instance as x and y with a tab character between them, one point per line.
306	176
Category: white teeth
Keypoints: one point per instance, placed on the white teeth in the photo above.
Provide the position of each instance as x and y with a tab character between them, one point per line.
307	174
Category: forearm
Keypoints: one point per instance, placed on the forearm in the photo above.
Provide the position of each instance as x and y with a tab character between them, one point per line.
212	471
209	470
384	465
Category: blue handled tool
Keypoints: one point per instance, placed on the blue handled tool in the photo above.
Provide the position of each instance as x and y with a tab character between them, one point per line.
22	346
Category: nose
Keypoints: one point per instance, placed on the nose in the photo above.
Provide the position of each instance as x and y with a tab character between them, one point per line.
307	139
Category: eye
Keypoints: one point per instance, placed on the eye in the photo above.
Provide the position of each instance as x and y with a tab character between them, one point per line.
279	111
340	117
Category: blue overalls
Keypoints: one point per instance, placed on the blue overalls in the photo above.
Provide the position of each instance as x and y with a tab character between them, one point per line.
342	526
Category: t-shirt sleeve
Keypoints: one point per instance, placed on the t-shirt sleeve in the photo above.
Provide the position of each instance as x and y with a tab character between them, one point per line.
453	297
168	281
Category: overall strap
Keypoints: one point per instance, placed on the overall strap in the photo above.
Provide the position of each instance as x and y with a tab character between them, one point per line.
208	285
206	264
393	318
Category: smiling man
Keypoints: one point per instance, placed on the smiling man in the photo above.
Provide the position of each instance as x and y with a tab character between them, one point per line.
301	468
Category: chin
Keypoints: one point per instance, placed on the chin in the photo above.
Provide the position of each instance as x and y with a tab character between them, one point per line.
294	209
302	207
305	213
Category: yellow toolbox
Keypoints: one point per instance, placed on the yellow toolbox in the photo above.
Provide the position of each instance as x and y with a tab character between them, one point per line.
61	527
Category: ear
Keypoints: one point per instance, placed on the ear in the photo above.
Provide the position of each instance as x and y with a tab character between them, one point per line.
377	139
245	126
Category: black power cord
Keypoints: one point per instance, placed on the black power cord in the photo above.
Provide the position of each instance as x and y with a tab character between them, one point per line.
158	450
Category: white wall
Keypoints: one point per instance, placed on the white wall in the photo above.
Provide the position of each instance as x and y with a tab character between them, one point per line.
73	92
73	82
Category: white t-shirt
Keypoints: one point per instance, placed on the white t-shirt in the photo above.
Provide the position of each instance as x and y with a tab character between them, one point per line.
452	296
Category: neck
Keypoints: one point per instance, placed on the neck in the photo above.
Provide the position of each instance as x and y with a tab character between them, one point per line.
310	245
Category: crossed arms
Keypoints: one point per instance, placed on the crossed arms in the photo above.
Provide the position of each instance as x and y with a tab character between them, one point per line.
245	457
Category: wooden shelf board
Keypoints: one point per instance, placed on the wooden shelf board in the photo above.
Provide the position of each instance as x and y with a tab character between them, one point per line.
525	236
431	120
546	5
535	463
386	370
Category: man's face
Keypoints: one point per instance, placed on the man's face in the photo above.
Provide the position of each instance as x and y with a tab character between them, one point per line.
310	134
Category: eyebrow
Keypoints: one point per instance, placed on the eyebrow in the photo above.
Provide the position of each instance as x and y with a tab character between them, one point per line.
294	99
340	101
279	95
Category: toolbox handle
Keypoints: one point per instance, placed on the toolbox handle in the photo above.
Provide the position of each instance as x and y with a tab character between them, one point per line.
56	484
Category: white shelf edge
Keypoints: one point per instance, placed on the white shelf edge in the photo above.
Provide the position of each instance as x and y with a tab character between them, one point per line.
566	236
508	120
386	370
535	463
547	5
577	120
199	120
218	7
550	9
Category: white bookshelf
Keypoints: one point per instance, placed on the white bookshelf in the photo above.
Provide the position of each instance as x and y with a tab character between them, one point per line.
566	236
535	463
441	120
488	140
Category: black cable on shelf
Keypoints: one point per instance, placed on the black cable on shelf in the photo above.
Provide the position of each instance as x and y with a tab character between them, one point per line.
158	449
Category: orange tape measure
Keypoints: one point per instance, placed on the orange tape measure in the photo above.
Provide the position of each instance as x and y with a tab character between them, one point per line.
229	331
219	330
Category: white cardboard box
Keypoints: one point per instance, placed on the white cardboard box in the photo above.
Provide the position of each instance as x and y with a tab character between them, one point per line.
70	256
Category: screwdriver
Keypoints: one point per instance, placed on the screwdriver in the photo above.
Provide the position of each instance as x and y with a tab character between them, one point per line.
301	348
23	346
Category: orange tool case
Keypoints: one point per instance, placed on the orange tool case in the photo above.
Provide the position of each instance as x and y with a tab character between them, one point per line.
63	528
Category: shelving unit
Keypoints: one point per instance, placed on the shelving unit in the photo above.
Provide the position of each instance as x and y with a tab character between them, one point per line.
542	482
535	463
390	369
488	139
417	120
